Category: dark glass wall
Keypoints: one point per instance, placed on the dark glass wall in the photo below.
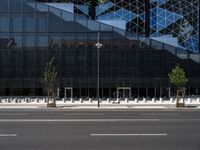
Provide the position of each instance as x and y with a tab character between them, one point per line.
32	33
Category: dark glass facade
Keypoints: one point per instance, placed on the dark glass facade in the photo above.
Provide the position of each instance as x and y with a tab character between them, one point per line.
131	65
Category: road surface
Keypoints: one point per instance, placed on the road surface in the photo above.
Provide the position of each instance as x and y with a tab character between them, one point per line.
99	129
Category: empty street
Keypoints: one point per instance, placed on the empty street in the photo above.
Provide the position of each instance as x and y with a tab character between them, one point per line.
59	129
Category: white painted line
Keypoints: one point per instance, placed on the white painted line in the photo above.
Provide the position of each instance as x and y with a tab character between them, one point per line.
14	114
71	114
161	134
92	107
8	135
149	107
159	114
77	120
18	107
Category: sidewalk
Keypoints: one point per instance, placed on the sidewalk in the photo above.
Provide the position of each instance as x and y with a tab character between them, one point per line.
93	106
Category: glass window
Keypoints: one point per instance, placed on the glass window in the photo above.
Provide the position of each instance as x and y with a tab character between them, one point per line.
4	38
4	59
55	41
41	7
68	41
93	25
3	5
29	5
92	39
80	40
54	20
16	5
42	23
104	27
17	23
29	23
4	23
81	24
17	40
29	41
67	16
42	41
67	22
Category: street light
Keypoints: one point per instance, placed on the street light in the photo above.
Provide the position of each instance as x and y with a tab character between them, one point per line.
98	45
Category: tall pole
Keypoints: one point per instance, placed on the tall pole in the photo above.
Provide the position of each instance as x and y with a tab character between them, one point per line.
98	45
98	74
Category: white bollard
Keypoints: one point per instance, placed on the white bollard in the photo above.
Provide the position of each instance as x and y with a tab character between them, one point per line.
118	100
153	100
108	100
189	100
161	99
81	100
90	100
136	100
72	100
198	100
171	100
126	100
144	100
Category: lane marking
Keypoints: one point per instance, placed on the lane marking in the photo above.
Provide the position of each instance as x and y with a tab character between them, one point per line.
13	114
149	107
159	114
99	114
161	134
8	135
19	107
76	120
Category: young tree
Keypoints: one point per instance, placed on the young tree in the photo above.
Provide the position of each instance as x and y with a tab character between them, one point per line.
178	79
51	80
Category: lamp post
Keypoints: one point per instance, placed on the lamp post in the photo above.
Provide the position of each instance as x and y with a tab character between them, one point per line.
98	45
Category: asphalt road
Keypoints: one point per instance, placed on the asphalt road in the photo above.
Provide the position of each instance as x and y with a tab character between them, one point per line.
99	129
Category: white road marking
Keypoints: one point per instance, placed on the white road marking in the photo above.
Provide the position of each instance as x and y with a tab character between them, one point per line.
71	114
149	107
161	134
18	107
76	120
8	135
159	114
14	114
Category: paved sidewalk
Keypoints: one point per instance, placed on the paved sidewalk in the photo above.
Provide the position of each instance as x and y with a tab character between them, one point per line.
93	106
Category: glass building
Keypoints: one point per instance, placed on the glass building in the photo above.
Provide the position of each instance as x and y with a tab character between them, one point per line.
141	42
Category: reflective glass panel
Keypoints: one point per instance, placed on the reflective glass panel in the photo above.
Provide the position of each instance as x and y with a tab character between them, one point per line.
17	23
4	23
29	23
3	5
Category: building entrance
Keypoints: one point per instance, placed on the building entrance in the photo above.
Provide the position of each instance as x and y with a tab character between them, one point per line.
68	92
123	92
